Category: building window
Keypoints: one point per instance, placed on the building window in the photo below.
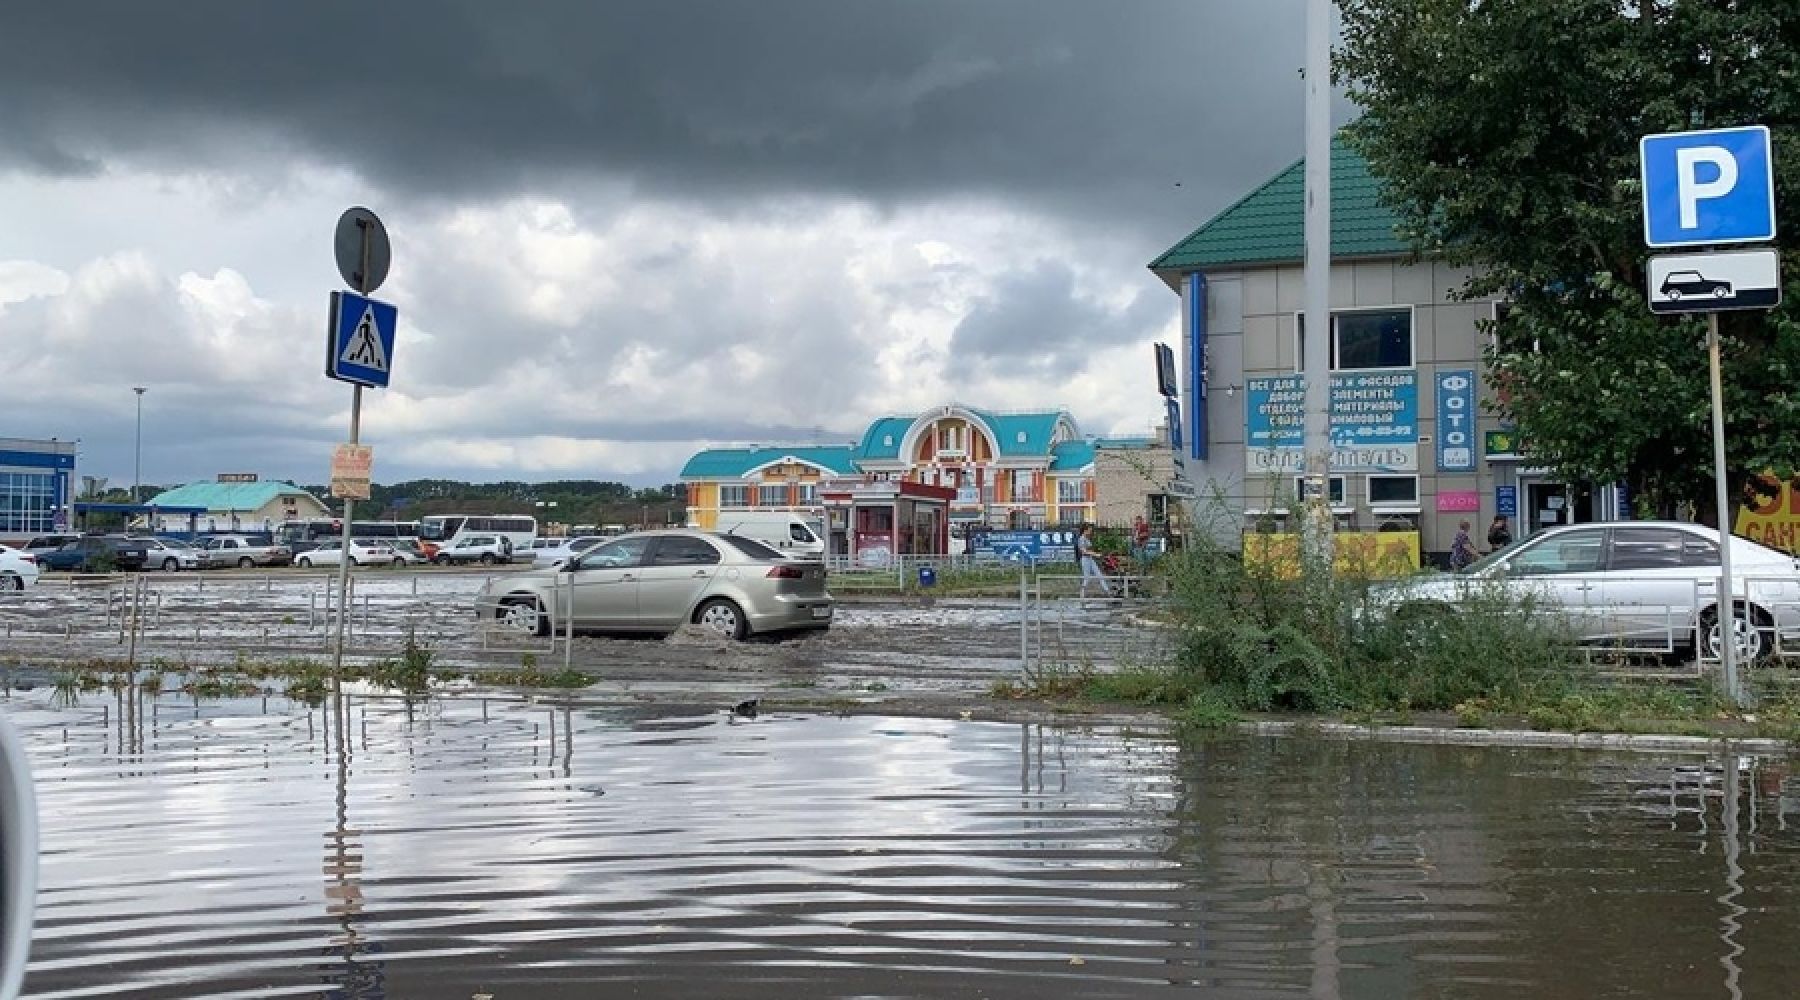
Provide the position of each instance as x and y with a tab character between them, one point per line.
1335	489
809	493
1070	516
734	496
772	496
1022	487
1363	339
1393	491
27	502
1070	491
950	439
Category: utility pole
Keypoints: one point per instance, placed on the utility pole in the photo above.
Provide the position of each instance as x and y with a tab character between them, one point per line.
1316	523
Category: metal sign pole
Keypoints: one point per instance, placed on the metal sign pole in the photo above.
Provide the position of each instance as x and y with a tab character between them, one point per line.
1726	612
343	582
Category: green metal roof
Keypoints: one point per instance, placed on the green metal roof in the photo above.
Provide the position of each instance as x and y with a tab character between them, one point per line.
1071	456
1037	428
881	441
733	463
1268	225
224	496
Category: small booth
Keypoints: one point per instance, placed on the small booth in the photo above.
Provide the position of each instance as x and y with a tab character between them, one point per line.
874	522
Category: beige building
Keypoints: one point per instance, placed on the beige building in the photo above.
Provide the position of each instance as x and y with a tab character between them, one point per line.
236	503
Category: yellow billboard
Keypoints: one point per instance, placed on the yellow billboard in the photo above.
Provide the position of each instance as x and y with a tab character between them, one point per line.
1770	512
1368	554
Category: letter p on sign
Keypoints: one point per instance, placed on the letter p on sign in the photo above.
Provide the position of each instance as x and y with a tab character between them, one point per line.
1708	187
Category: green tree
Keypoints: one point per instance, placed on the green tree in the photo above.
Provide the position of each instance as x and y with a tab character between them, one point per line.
1506	133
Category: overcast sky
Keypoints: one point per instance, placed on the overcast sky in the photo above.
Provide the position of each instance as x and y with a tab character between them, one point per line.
622	231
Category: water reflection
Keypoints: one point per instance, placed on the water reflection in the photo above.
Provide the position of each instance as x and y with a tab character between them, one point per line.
374	848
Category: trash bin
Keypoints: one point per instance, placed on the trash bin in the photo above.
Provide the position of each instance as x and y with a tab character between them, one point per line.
927	576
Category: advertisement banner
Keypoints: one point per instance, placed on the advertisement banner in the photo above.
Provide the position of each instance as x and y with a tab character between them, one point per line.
1506	501
1371	555
1458	501
1456	420
1374	422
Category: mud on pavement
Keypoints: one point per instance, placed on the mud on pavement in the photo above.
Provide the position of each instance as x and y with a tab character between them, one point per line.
918	655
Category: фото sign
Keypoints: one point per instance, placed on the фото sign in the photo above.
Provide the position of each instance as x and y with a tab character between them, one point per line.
1456	420
1374	422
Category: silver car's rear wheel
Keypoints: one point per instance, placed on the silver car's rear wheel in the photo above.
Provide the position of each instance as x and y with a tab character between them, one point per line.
11	582
522	614
723	617
1750	633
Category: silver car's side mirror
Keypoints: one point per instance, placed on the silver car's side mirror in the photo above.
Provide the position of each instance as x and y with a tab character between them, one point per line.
18	861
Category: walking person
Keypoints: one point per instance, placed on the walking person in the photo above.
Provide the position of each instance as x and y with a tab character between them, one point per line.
1090	566
1499	534
1462	548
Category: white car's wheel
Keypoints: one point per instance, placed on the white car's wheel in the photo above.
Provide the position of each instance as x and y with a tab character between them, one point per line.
305	563
1751	641
522	614
12	581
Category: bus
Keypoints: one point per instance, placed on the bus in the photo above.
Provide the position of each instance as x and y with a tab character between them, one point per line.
301	536
443	530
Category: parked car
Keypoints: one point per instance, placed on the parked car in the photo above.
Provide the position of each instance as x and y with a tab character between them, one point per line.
363	552
18	569
243	552
410	551
786	532
484	549
1647	585
97	553
560	549
47	543
657	581
170	556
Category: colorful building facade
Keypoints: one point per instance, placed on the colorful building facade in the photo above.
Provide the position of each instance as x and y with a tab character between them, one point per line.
1030	469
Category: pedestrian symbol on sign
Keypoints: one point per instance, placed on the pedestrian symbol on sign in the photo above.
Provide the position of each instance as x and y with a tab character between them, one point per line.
365	347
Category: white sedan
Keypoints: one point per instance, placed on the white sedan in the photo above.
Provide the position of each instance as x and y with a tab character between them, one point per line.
561	548
17	570
1645	585
363	552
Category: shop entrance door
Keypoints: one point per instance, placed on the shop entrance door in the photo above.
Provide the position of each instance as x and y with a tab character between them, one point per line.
1546	506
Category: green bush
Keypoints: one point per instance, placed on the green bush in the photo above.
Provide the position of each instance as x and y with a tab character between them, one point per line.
1323	642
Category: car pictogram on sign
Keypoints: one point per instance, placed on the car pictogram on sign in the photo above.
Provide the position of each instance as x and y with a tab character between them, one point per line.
1693	283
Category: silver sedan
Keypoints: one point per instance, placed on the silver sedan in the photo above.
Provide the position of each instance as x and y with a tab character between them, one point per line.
657	581
1648	585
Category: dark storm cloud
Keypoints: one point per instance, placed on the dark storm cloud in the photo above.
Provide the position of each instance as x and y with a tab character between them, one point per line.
1075	107
1039	317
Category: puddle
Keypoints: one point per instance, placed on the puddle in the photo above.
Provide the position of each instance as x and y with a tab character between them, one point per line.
466	846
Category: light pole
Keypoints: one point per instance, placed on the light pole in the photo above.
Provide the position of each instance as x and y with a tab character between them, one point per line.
137	451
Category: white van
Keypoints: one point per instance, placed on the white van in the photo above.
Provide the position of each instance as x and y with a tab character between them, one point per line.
788	533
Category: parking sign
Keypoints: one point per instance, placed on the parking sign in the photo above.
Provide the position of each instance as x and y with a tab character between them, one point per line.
1708	187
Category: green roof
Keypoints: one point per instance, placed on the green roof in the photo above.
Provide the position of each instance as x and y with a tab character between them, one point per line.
224	496
1037	428
733	463
882	440
1268	225
1071	456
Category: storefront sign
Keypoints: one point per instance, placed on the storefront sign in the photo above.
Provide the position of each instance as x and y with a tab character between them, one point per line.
1374	422
237	477
1501	444
1770	513
1456	420
1458	501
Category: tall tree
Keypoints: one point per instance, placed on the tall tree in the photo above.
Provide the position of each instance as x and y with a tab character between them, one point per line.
1506	133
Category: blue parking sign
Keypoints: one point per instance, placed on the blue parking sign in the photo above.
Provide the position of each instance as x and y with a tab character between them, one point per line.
1708	187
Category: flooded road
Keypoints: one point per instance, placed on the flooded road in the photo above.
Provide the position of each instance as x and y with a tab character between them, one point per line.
467	847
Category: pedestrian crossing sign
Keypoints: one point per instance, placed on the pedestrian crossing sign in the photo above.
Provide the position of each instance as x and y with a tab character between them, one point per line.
360	346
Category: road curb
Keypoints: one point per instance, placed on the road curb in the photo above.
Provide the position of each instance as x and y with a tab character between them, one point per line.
1648	742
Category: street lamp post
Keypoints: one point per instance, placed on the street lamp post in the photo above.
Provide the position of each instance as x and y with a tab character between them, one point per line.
137	451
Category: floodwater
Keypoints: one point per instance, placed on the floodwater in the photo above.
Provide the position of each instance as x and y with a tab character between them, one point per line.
469	848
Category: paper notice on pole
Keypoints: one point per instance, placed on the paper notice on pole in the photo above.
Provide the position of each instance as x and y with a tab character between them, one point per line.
350	466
